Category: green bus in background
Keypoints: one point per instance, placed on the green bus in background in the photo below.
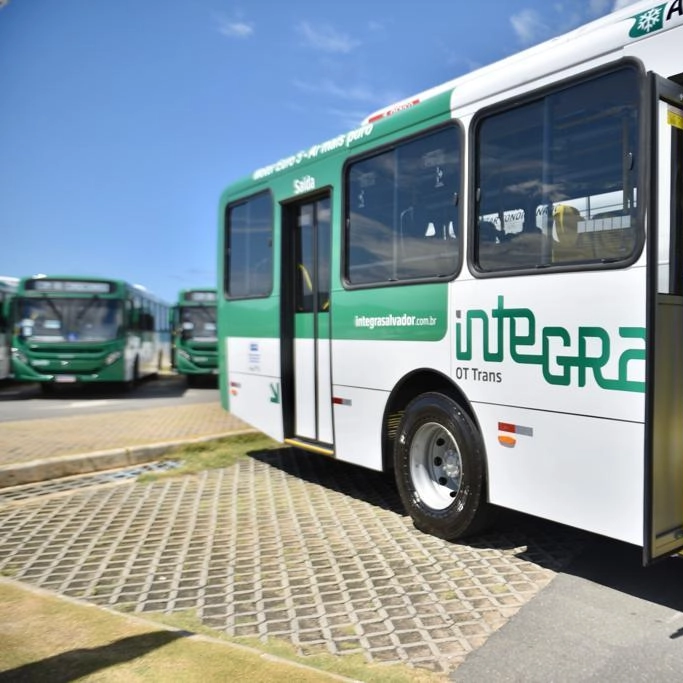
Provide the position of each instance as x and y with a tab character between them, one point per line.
7	290
194	342
73	329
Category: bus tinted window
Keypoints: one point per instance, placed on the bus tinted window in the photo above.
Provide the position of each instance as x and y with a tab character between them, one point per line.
249	248
401	212
556	177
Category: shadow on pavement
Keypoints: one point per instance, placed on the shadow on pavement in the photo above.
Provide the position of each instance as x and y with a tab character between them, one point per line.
547	544
74	664
619	566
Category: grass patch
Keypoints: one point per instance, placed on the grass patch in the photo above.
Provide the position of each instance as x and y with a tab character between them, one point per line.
211	455
46	638
351	666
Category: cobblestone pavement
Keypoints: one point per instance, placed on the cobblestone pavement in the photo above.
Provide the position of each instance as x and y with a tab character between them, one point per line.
289	546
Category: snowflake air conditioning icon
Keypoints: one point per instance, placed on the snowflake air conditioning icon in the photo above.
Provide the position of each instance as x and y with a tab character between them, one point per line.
647	22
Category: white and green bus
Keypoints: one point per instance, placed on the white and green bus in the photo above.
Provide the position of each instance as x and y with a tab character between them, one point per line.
73	329
193	330
7	289
480	290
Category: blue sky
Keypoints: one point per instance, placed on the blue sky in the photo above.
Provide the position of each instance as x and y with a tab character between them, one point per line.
122	122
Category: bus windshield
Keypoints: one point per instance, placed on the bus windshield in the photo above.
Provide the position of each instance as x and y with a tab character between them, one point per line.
75	320
198	322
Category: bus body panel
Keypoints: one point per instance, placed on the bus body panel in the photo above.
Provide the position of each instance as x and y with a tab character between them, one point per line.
254	382
578	470
358	424
552	364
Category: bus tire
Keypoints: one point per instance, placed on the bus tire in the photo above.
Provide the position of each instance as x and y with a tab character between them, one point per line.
440	468
133	382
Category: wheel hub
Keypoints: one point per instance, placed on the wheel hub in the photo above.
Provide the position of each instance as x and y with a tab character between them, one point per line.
451	464
436	465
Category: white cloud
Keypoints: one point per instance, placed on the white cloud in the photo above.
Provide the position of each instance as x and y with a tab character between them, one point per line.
620	4
597	8
529	26
358	93
325	38
234	28
351	93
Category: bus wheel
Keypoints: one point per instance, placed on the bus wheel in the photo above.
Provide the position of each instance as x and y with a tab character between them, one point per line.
135	379
440	468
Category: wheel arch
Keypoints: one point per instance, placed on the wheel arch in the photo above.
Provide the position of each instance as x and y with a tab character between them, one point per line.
407	388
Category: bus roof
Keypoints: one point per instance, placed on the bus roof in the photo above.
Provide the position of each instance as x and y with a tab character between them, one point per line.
615	30
78	282
8	283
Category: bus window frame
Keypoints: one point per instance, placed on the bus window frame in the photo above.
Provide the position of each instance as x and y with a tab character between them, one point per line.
264	192
538	95
377	151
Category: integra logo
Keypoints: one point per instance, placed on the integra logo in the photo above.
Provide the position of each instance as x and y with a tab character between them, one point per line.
513	331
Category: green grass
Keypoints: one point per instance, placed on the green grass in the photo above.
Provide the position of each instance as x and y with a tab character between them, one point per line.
351	666
211	455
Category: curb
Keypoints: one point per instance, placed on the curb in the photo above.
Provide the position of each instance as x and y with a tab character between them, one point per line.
96	461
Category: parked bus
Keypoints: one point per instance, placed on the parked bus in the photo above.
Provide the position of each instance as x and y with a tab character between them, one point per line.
480	289
70	329
194	340
7	289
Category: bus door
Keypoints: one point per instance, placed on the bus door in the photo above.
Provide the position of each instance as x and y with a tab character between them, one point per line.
664	451
307	360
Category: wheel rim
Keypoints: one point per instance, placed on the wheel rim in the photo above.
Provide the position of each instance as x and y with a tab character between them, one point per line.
435	465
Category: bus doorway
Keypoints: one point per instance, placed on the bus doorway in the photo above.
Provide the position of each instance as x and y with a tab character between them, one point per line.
306	358
664	448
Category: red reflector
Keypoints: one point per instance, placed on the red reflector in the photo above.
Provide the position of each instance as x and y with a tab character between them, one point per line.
506	427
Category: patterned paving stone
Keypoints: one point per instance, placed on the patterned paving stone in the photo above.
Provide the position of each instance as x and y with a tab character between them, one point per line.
289	546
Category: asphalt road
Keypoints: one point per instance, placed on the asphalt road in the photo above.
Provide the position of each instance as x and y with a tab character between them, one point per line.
27	402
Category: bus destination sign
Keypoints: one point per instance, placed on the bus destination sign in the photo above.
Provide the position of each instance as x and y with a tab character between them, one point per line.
206	297
70	286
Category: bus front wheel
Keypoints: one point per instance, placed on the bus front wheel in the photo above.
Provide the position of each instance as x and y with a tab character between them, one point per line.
440	468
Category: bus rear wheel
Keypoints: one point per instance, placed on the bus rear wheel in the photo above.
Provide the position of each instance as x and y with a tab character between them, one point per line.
440	468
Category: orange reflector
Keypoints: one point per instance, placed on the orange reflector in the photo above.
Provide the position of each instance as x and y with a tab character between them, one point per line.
508	441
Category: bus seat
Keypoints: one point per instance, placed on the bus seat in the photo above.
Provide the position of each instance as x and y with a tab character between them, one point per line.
566	242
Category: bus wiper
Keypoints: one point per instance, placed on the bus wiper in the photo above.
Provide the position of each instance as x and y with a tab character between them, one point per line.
210	315
81	313
51	304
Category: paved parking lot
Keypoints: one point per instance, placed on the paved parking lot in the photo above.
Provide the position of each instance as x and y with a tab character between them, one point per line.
285	546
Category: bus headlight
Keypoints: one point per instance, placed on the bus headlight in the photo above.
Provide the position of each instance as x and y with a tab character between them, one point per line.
183	354
112	357
19	356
